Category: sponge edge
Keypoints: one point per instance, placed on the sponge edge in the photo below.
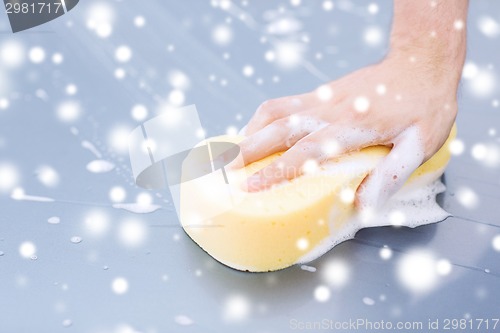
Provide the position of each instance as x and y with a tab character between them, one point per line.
296	221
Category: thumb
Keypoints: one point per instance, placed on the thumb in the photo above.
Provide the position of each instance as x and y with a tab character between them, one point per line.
391	173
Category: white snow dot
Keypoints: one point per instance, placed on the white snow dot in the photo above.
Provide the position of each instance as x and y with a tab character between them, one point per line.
417	271
495	242
336	273
373	8
385	253
302	244
144	198
27	249
132	233
176	97
119	285
322	294
100	17
270	56
104	30
12	54
118	139
361	104
483	84
458	24
48	176
178	79
123	54
324	93
488	26
467	197
456	147
69	111
37	54
139	21
117	194
328	5
331	148
470	70
4	103
96	223
119	73
289	54
381	89
443	267
236	308
479	151
310	167
232	130
225	4
248	70
347	195
222	35
139	112
373	36
397	218
71	89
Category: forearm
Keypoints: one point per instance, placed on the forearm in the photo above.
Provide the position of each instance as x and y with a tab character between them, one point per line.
432	34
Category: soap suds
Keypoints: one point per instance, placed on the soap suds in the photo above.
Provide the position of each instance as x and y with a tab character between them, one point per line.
18	194
392	171
137	208
418	206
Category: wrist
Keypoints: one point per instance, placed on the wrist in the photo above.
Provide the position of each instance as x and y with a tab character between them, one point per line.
436	62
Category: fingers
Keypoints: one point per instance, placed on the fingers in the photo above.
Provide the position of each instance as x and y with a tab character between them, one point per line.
278	136
279	108
392	172
303	157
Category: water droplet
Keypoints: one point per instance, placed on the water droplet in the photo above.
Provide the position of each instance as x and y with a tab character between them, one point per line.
2	253
308	268
76	239
105	268
34	257
183	320
54	220
486	270
67	322
368	301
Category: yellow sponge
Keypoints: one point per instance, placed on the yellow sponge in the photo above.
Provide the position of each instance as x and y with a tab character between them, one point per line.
277	228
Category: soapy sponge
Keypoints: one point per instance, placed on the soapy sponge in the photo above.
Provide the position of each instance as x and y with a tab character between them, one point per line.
291	223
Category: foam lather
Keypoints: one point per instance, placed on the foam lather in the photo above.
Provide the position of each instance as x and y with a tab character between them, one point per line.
301	219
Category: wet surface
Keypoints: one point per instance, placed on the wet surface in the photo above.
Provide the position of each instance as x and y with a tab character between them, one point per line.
72	259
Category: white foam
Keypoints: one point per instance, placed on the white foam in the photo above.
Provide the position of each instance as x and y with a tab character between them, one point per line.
18	194
300	126
418	205
138	208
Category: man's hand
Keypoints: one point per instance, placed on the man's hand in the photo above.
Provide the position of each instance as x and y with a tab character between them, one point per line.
407	102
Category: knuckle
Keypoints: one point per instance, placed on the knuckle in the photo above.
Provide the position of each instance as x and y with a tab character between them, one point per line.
268	109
